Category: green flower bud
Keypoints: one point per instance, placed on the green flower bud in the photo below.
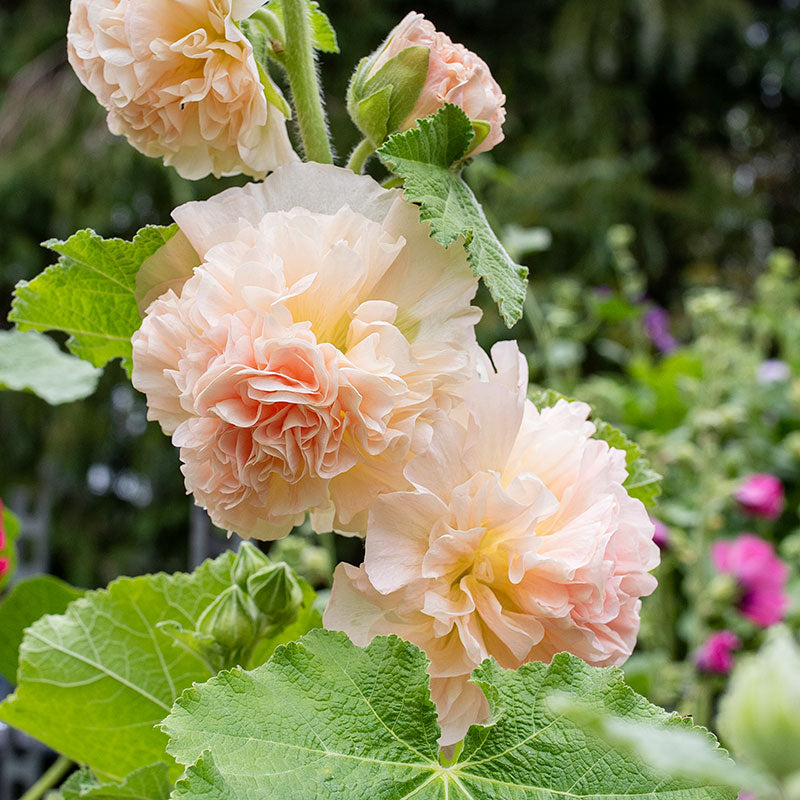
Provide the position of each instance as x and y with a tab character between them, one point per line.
229	619
249	560
276	593
380	100
758	713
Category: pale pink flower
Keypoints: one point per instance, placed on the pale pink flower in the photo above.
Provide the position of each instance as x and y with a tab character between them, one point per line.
761	495
761	575
179	80
300	365
518	541
455	75
716	653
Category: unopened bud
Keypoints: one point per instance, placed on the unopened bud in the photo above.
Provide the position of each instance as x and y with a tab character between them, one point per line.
759	712
249	560
276	593
228	619
413	74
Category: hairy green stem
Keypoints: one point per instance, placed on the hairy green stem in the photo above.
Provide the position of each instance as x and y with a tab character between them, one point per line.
392	183
302	72
50	779
360	155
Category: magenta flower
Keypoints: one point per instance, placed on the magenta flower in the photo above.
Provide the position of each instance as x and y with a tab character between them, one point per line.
716	653
761	575
661	535
656	327
761	495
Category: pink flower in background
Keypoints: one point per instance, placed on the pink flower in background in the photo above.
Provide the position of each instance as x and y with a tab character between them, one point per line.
661	535
761	575
518	541
657	328
761	495
455	75
716	654
179	80
299	364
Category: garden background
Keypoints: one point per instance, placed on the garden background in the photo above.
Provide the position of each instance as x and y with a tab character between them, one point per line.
651	162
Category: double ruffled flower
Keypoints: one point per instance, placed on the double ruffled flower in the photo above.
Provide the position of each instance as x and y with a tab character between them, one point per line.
179	80
517	541
301	364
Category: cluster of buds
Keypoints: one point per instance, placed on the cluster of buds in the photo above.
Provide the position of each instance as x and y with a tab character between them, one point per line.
262	600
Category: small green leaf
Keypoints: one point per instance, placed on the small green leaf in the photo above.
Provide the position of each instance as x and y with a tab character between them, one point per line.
149	783
89	293
323	36
9	530
33	362
423	157
643	482
325	719
21	607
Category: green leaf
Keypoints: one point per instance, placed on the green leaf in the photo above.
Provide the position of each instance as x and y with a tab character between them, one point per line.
33	362
423	157
89	293
325	719
21	607
323	36
149	783
9	526
643	482
95	682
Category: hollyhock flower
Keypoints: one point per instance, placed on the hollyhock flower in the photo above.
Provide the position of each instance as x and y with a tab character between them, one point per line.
180	81
716	654
298	367
761	575
661	535
455	75
656	326
761	495
518	541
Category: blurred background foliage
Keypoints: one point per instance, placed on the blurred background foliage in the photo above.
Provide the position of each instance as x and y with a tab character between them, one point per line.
652	154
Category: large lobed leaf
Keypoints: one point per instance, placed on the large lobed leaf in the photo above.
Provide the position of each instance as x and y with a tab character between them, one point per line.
325	719
94	682
33	362
424	157
148	783
89	293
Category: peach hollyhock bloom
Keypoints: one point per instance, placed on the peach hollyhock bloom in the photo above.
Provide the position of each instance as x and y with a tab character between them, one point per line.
455	75
518	541
179	80
300	364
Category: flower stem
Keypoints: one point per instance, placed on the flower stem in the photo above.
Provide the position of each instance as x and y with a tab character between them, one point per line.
360	155
302	71
50	779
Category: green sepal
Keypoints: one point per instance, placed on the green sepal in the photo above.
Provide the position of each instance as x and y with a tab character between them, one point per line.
277	594
249	560
397	83
229	619
481	128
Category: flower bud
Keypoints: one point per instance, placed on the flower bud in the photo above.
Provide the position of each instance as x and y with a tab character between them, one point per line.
249	560
276	593
758	714
413	74
229	619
